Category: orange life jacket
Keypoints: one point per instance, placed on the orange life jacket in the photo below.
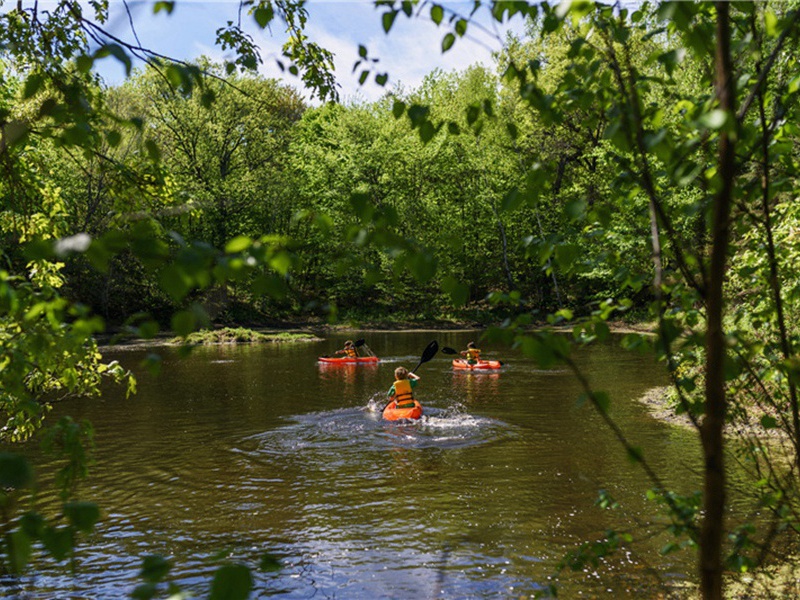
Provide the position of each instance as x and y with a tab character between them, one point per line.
351	352
403	395
473	354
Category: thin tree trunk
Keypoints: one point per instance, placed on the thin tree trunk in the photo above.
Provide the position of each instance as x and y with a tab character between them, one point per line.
712	531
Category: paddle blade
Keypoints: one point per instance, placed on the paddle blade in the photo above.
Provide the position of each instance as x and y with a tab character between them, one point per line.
427	354
360	342
448	350
430	351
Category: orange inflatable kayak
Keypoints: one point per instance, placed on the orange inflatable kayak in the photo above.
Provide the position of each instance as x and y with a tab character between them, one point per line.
478	366
392	413
346	360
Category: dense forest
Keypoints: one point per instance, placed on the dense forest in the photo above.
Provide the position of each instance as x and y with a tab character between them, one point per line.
257	162
617	162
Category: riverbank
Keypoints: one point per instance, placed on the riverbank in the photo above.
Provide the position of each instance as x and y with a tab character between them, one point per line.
315	330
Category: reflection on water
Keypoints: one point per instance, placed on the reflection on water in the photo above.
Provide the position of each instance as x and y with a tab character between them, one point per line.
261	448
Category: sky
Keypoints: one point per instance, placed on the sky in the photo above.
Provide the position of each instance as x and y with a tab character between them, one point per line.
410	51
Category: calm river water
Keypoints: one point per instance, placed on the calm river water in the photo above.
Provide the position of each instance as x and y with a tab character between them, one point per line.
241	450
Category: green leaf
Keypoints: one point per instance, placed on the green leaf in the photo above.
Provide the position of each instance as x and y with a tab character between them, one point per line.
153	151
271	285
715	119
238	244
448	41
264	14
281	262
117	52
154	568
270	563
15	471
33	84
82	515
184	322
84	63
113	138
231	582
512	200
145	591
388	20
567	254
769	422
437	14
427	131
165	6
398	108
458	292
381	79
175	281
58	541
19	549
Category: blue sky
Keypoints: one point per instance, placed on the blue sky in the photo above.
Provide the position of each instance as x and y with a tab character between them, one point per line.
407	54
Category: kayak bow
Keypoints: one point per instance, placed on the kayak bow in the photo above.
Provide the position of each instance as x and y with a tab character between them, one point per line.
392	413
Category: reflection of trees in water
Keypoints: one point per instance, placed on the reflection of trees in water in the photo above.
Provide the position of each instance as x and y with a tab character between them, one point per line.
476	387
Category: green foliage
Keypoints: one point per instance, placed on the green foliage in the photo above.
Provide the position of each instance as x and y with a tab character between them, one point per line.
617	164
240	335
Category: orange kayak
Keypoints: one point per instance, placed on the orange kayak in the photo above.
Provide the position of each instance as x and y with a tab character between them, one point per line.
480	365
392	413
346	360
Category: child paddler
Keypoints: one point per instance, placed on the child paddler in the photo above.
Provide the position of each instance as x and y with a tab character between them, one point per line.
472	354
349	350
402	389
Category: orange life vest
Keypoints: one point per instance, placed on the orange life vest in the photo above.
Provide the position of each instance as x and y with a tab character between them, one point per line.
403	395
351	352
473	354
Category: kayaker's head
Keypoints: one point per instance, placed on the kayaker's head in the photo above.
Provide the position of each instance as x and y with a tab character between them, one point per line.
348	343
401	373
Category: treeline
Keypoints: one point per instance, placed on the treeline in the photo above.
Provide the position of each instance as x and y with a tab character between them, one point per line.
242	155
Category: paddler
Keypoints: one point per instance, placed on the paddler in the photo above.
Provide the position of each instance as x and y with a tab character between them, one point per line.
472	354
349	350
404	382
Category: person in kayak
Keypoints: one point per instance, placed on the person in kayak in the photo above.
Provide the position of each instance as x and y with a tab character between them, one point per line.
472	354
349	350
402	388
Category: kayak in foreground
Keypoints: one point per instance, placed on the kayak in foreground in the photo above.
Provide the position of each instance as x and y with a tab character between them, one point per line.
480	365
347	360
408	409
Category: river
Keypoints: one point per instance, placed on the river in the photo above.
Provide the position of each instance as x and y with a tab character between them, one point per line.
237	451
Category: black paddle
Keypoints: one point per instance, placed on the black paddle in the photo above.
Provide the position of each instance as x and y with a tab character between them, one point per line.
427	354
